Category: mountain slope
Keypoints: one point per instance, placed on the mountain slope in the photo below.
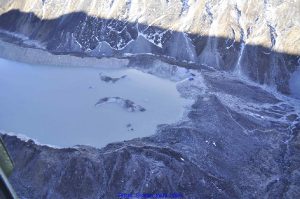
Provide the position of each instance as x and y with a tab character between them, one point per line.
256	39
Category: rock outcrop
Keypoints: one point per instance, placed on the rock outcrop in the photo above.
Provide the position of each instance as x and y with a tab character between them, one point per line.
126	104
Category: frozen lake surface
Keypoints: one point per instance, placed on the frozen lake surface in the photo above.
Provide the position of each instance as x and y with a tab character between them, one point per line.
66	106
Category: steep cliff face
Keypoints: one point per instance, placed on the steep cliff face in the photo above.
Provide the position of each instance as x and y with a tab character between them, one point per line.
257	39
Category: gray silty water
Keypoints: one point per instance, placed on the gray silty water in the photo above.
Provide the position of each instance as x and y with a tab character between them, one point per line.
295	83
57	105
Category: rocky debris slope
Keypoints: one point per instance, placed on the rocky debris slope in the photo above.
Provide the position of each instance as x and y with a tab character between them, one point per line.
236	141
257	39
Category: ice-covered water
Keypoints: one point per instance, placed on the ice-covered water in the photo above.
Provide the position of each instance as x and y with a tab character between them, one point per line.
56	105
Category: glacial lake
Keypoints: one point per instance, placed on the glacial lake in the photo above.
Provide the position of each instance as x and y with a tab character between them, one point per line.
67	106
